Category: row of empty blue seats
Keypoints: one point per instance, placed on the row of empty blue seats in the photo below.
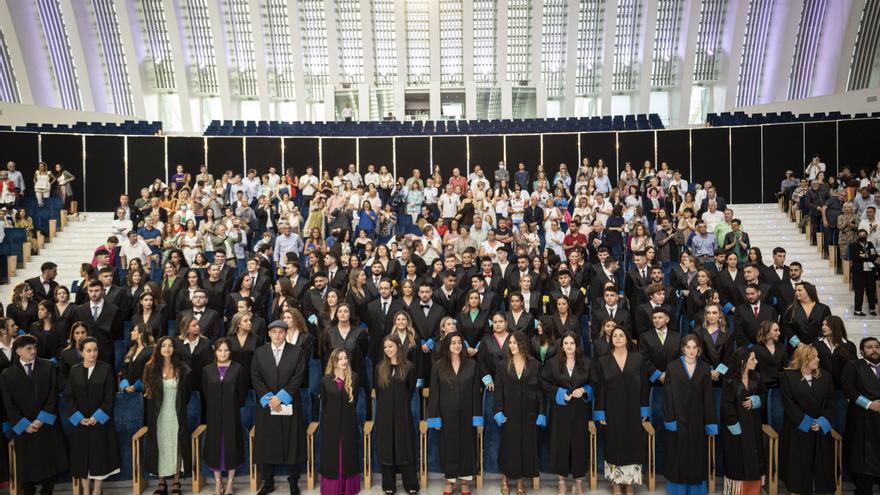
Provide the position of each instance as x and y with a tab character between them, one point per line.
131	127
741	118
440	127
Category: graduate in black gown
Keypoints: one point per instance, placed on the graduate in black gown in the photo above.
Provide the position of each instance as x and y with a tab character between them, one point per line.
394	383
7	331
50	339
567	380
135	360
95	456
716	342
861	385
493	350
243	342
349	335
519	411
340	434
834	348
689	416
802	321
455	408
742	401
806	454
473	322
224	388
771	353
621	404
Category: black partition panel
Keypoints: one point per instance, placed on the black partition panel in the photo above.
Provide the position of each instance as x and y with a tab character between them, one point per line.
746	164
783	150
635	148
449	152
146	162
710	152
22	148
601	146
413	153
526	149
674	148
375	151
301	153
485	151
262	153
856	146
225	153
820	138
558	148
65	149
337	153
190	152
105	172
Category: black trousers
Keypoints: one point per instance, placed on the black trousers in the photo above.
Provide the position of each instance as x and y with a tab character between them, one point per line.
865	483
864	282
46	486
267	473
407	472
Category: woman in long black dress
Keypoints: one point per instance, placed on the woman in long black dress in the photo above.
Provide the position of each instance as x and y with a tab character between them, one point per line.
455	408
223	386
395	383
716	341
63	309
493	351
742	399
95	456
567	378
806	448
23	310
49	339
242	343
348	335
772	355
621	405
71	355
518	319
519	411
148	312
802	321
688	415
340	435
834	348
135	360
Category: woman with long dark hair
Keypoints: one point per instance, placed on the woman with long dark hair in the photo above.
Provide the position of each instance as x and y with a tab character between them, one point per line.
225	389
135	360
63	309
834	348
771	354
455	408
348	335
472	322
70	355
519	411
49	338
567	379
518	319
802	321
22	310
191	283
340	436
395	383
742	399
149	313
166	389
493	350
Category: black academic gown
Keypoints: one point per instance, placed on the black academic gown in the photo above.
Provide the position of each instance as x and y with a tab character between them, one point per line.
806	458
339	429
456	400
568	421
356	344
521	401
834	361
48	343
492	355
688	415
41	455
224	399
473	329
4	453
67	358
803	328
622	402
279	439
244	355
741	429
862	442
770	364
197	359
394	430
716	353
154	406
96	450
132	372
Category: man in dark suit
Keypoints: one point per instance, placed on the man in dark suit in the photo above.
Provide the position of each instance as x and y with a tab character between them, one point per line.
227	273
448	295
609	307
113	293
261	285
749	316
44	285
778	272
298	283
426	317
711	195
466	270
264	257
103	321
313	302
489	301
337	278
210	321
533	214
637	279
381	313
491	277
786	288
504	267
715	268
574	295
644	313
659	346
375	276
751	274
523	268
604	273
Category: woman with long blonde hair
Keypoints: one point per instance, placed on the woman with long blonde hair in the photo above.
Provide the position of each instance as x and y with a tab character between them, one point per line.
340	465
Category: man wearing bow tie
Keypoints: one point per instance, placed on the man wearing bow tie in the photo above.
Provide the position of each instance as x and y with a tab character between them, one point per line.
210	321
426	318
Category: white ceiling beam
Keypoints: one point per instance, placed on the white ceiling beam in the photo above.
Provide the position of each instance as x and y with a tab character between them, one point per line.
181	79
844	56
646	58
219	33
732	47
260	58
571	57
780	52
89	71
296	43
132	56
680	101
16	55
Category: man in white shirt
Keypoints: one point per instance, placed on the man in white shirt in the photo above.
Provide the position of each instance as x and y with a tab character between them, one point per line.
371	178
134	248
479	230
680	183
353	176
251	186
274	178
16	177
308	185
814	168
286	242
603	184
712	216
479	177
870	225
449	202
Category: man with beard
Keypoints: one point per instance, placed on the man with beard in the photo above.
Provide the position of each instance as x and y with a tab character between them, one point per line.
860	381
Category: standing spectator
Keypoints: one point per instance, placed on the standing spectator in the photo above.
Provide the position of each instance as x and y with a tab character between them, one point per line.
736	240
814	199
224	386
847	224
832	209
871	225
17	178
863	255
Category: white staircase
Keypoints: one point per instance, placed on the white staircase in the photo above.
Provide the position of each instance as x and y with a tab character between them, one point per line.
768	227
69	249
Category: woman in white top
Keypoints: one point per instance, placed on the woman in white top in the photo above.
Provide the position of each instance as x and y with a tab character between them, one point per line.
554	238
120	226
190	242
42	183
490	247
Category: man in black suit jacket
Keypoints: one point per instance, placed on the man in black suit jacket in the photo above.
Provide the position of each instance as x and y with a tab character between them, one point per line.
603	273
644	313
375	276
261	285
103	321
337	278
258	323
493	279
786	288
465	270
489	301
504	267
749	316
778	272
210	321
659	346
637	280
575	296
449	295
44	285
264	257
611	306
113	293
426	317
523	267
227	273
299	283
716	267
313	302
381	313
711	195
751	273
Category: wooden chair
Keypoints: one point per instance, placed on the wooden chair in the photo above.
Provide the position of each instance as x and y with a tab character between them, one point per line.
198	479
13	469
63	219
138	481
594	461
652	461
423	454
772	459
832	257
480	457
838	462
11	266
711	477
368	451
53	227
26	252
253	476
820	243
425	394
310	463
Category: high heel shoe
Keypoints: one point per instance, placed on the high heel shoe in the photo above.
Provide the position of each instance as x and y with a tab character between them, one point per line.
448	489
562	488
578	487
465	488
520	487
505	488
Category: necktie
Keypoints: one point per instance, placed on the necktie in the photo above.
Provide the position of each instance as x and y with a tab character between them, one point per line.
385	308
876	370
29	368
611	313
426	307
755	309
662	335
198	314
644	274
277	356
94	312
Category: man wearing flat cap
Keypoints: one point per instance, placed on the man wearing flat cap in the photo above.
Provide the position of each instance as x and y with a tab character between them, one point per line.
278	372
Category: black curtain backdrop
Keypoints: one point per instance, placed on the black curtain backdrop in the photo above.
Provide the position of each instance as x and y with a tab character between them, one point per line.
262	153
449	153
526	149
105	172
635	148
190	152
746	165
558	148
413	153
301	153
783	150
601	146
66	149
821	138
376	151
146	162
337	153
224	153
22	148
486	151
674	148
711	158
856	146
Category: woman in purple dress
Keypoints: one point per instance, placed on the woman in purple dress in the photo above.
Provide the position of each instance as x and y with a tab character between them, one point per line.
340	466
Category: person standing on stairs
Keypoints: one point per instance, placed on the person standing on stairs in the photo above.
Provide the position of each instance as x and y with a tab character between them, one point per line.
863	256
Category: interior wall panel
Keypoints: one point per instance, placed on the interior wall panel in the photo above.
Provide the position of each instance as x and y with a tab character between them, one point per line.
262	153
857	147
783	150
526	149
674	148
337	153
300	154
146	162
635	148
601	146
190	152
558	148
105	172
376	152
66	149
746	165
711	158
224	153
413	153
449	152
820	138
486	151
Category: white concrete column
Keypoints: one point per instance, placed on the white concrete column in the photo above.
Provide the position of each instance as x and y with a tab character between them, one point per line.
181	80
646	58
608	56
133	58
260	58
218	31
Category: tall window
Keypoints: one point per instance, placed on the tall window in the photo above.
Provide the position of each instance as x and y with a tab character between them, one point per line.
626	44
519	39
485	18
8	84
55	35
707	57
591	32
418	43
384	42
451	43
350	41
313	27
279	51
201	47
155	30
751	70
555	21
664	69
